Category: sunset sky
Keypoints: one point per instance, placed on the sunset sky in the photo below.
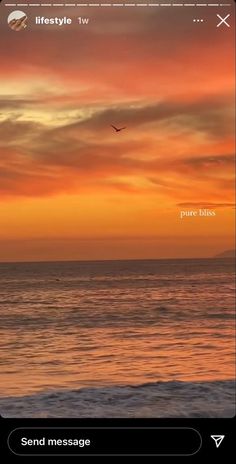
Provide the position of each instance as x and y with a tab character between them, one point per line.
72	188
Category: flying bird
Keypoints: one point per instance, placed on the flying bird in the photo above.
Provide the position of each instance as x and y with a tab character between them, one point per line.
118	129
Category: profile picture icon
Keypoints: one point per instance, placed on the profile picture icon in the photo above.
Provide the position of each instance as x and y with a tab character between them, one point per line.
17	20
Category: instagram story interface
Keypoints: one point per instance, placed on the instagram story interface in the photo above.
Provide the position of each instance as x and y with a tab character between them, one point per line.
117	210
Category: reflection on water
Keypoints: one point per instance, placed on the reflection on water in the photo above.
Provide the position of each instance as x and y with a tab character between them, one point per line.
83	324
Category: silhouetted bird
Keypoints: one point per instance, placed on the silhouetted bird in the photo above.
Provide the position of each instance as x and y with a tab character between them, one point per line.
118	129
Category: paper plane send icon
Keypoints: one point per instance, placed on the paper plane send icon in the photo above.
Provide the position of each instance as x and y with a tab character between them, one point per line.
218	439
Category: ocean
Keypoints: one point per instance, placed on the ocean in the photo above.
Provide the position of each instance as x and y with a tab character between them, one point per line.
150	338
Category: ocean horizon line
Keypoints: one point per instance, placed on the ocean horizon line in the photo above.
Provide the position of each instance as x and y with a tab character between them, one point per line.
114	260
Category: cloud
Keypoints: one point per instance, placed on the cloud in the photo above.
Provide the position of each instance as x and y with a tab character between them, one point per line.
203	204
212	115
15	132
56	135
37	159
208	165
15	102
127	52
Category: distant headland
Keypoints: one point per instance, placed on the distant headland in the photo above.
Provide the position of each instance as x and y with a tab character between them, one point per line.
226	254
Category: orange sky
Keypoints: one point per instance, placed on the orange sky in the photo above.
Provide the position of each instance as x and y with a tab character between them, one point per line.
70	188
